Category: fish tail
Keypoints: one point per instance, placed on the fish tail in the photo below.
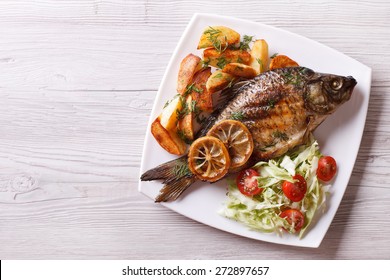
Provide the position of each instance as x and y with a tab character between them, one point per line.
175	175
173	189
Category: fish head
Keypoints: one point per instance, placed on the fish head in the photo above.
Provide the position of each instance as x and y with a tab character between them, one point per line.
326	92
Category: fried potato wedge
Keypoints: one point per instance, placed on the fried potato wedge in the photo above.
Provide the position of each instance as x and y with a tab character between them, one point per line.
200	95
218	81
259	56
281	61
168	140
218	37
240	70
186	124
169	115
219	60
188	67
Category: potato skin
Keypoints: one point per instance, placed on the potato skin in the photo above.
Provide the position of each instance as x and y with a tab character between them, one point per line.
218	81
240	70
186	124
223	35
188	67
259	56
168	140
200	93
282	61
219	60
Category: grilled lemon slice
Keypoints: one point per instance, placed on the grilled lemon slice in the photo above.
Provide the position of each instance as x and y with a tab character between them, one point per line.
237	138
208	159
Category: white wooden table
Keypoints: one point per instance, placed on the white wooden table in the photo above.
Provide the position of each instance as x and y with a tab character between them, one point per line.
77	83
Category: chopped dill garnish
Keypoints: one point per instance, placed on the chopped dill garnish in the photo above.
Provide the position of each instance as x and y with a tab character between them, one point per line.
169	101
221	62
238	116
244	45
198	90
213	35
190	88
212	31
181	169
183	136
194	108
205	63
180	114
166	103
271	103
260	62
274	55
196	111
292	78
218	76
280	135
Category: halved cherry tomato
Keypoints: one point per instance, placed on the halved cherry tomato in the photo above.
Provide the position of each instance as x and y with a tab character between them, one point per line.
294	217
327	168
247	182
295	191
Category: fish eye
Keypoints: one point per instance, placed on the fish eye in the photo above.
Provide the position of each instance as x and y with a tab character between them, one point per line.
336	84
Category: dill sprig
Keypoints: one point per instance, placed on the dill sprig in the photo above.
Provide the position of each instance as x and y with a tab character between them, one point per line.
280	135
166	104
205	63
292	78
221	62
182	135
180	114
196	111
238	116
271	103
218	76
260	62
213	36
244	45
190	88
181	169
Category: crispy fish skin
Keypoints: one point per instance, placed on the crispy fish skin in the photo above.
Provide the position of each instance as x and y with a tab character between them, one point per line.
280	108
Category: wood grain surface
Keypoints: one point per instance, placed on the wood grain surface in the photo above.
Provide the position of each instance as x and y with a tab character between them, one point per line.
77	83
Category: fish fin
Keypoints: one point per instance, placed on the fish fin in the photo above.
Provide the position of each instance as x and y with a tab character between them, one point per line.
227	94
306	134
175	175
312	124
224	98
167	171
173	189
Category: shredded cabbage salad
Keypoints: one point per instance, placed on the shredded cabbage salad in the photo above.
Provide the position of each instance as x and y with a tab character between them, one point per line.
261	212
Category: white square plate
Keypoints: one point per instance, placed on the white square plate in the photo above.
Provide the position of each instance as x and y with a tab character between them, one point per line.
339	136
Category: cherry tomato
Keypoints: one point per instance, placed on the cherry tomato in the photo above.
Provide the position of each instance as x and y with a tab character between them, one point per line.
247	182
326	168
295	191
294	217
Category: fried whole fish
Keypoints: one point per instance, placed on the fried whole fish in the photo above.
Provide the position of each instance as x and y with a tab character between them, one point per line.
279	107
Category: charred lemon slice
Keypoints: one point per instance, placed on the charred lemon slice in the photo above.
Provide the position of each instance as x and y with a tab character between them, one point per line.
208	159
237	138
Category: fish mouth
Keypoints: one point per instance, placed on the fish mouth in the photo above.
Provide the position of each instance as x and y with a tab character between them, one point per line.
350	84
351	80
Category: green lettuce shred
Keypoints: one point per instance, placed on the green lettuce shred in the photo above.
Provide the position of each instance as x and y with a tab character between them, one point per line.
261	212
